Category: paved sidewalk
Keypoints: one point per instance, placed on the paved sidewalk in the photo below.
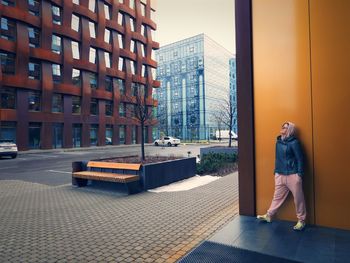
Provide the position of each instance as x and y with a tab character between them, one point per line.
41	223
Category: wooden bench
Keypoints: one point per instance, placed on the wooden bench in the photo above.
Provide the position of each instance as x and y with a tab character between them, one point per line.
131	181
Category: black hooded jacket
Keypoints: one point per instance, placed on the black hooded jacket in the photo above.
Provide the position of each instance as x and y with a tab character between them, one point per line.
289	156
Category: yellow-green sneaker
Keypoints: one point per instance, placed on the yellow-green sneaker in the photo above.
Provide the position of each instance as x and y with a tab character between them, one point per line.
265	218
299	226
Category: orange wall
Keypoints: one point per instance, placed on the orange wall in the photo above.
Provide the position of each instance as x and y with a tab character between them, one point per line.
282	90
330	58
300	75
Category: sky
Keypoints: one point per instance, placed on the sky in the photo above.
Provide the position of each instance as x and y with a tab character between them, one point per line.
180	19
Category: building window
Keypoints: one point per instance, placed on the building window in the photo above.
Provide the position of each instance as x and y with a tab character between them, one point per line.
121	41
107	12
134	89
57	135
132	4
143	50
75	50
121	86
143	9
122	109
77	2
154	73
56	15
34	7
153	34
76	77
8	29
133	134
34	37
76	105
108	59
133	67
92	29
143	71
109	108
93	81
93	134
120	18
109	134
8	2
122	129
8	130
56	44
94	107
92	5
56	73
132	24
7	98
107	37
143	89
34	70
92	55
34	141
143	30
57	103
108	84
132	46
121	64
34	101
75	23
7	63
76	135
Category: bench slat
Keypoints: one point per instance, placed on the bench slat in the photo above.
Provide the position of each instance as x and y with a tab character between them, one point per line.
101	176
127	166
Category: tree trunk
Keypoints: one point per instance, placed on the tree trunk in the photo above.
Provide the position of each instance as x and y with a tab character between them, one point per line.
142	142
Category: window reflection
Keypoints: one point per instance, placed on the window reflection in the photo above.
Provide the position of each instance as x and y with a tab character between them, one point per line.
7	98
34	101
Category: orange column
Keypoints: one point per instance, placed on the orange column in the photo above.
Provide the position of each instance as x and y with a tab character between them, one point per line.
282	91
330	56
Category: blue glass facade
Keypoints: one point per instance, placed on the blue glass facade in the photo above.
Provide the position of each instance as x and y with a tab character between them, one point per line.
194	76
233	93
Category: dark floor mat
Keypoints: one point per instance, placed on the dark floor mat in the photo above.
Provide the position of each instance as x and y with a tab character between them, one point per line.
210	252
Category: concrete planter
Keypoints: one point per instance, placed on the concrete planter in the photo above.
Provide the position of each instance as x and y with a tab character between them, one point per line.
158	174
152	175
219	149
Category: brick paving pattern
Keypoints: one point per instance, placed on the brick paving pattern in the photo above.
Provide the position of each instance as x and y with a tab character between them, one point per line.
41	223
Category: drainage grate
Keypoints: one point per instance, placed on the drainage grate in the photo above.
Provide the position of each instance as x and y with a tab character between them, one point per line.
210	252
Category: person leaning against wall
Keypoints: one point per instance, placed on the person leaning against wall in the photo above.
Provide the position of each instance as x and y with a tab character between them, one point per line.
288	176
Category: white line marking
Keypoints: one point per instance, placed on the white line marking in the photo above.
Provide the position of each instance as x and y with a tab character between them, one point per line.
8	167
41	155
61	172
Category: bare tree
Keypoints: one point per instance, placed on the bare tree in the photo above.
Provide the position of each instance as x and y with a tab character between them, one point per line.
226	114
139	108
217	119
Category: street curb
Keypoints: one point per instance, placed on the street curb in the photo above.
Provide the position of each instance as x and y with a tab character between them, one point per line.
93	148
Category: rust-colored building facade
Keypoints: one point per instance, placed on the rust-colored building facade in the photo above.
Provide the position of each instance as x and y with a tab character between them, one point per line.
69	69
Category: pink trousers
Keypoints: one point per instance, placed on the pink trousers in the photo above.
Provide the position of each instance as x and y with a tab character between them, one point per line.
284	184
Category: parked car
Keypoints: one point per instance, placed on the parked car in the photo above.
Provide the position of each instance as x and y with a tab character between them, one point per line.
108	141
8	148
168	141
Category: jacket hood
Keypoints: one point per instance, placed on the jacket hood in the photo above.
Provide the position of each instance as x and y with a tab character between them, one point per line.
290	130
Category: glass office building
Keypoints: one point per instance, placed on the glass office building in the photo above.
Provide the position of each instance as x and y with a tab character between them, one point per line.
195	80
233	93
